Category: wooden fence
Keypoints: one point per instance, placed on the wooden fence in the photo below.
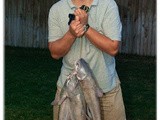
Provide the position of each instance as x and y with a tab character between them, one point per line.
26	24
139	26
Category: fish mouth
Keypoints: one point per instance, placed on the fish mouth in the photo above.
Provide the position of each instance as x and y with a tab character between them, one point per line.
81	77
80	73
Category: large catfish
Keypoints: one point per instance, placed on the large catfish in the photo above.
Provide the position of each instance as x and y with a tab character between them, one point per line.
65	112
90	88
73	98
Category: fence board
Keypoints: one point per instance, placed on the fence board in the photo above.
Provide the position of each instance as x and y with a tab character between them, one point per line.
138	26
26	24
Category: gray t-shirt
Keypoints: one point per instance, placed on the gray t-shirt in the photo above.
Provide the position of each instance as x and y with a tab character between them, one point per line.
103	17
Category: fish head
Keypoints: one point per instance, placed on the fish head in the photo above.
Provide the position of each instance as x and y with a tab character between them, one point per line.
71	84
81	68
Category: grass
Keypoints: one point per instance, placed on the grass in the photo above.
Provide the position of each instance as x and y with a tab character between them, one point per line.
30	84
138	78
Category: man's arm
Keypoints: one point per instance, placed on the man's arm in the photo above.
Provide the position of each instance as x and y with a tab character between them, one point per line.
102	42
60	47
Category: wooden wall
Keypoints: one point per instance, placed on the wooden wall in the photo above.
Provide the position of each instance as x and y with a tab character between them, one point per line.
26	24
139	26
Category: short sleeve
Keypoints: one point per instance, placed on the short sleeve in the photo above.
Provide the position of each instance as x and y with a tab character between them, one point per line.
54	30
111	25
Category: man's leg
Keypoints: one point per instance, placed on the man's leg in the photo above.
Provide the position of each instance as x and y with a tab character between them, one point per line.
112	106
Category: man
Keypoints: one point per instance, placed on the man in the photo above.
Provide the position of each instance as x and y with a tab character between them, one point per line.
95	37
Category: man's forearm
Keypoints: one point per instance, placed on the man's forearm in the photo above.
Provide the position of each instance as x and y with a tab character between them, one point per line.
102	42
61	46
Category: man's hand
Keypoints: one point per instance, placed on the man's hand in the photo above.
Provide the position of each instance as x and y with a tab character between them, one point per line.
83	16
76	28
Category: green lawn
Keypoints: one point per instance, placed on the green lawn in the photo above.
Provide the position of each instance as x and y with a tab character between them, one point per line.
30	84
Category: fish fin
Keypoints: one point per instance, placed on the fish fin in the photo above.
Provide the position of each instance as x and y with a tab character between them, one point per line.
54	102
62	100
57	97
89	115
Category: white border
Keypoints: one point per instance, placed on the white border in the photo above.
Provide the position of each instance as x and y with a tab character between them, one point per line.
158	59
1	59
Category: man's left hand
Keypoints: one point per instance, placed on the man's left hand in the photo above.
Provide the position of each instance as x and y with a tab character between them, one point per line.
83	16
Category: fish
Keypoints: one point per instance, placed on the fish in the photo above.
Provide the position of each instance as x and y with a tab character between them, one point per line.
65	112
90	88
72	101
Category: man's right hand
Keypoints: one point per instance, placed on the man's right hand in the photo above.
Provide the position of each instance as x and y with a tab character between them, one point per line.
76	28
